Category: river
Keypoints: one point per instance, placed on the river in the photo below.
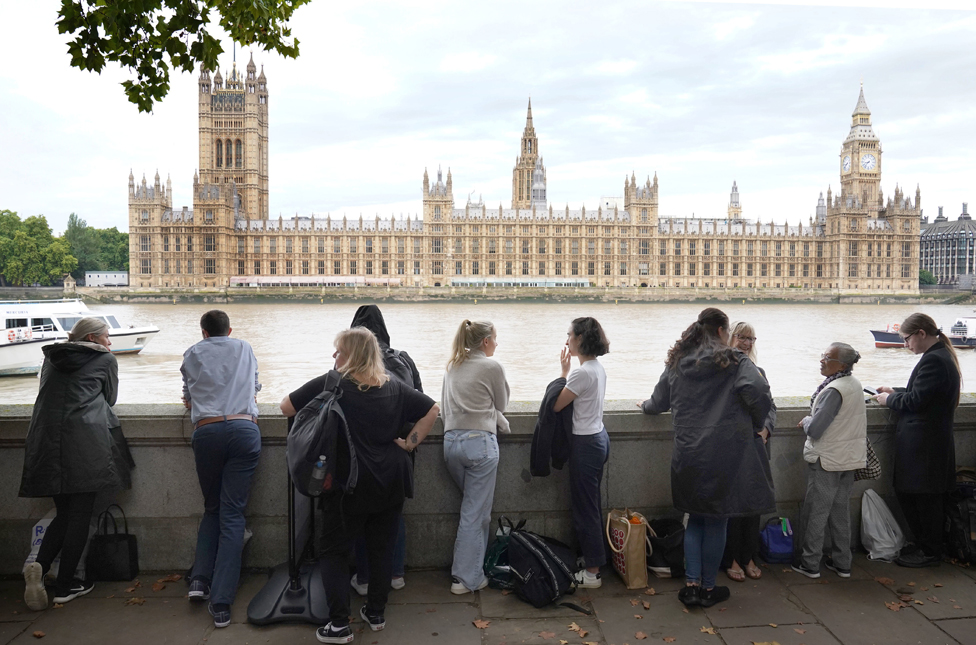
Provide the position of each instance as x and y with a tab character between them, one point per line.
293	343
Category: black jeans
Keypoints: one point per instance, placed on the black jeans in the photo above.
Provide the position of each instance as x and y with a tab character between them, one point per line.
741	541
340	530
67	534
925	514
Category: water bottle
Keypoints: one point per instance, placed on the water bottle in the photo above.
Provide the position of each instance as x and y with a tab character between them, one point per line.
318	477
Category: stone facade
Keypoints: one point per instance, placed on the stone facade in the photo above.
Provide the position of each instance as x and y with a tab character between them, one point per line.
858	242
948	248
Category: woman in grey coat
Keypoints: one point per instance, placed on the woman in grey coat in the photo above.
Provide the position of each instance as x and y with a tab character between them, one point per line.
68	452
719	468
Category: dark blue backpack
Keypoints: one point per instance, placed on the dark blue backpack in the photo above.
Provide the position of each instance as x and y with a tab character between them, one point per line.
776	541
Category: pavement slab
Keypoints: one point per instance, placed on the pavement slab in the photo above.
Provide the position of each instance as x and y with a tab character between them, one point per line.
664	618
271	635
856	614
495	604
409	624
614	586
12	607
782	634
534	631
956	593
963	630
758	602
429	587
10	631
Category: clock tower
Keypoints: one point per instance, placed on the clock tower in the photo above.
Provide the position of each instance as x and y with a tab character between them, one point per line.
860	161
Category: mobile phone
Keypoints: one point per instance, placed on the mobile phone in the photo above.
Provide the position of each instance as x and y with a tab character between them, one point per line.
871	391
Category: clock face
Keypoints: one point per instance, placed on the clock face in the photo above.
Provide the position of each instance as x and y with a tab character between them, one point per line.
847	163
868	162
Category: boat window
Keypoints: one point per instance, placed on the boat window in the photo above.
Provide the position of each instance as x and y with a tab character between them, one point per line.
113	322
68	322
16	322
45	324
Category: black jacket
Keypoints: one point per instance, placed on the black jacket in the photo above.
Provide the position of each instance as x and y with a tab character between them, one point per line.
397	362
553	435
719	465
69	448
925	453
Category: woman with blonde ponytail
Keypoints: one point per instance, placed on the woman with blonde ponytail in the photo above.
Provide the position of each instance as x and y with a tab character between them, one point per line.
925	456
473	398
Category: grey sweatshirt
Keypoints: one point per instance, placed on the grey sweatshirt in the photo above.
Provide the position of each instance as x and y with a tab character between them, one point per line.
474	395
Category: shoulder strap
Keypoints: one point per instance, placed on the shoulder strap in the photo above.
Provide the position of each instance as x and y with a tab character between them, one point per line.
332	380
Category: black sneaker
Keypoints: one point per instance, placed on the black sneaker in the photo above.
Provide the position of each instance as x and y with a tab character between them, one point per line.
914	560
221	614
810	573
690	595
714	596
77	588
199	590
376	623
843	573
330	634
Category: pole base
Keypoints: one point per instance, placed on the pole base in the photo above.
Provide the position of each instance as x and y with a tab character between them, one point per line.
282	600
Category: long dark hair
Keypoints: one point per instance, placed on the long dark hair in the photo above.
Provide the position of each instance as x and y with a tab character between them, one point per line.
703	333
920	322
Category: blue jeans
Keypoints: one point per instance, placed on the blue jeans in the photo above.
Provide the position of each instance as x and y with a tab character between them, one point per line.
472	461
399	555
588	454
704	546
226	454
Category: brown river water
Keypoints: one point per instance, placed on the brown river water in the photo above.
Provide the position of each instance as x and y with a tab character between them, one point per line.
293	343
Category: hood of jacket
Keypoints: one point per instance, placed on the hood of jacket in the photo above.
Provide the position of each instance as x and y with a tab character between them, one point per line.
369	316
71	356
700	364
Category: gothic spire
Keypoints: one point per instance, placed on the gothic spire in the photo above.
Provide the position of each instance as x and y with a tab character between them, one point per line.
862	105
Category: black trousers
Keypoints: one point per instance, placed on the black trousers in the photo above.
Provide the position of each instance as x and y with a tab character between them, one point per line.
67	534
741	541
340	530
925	514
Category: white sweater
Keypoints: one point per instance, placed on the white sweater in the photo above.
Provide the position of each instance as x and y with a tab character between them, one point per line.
474	395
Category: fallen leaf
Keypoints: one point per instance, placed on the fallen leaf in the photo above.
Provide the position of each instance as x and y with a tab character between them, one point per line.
547	635
708	630
905	598
649	591
573	627
112	596
640	636
137	584
38	634
562	642
130	590
787	570
135	601
911	584
919	602
895	606
173	577
774	625
933	599
646	604
668	639
925	588
589	643
799	631
885	581
685	609
723	609
956	607
582	633
505	592
58	605
158	586
638	616
481	624
634	602
937	584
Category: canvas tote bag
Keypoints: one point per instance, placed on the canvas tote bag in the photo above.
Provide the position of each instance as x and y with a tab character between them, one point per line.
627	536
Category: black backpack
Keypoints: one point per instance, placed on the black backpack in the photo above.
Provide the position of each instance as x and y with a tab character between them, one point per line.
320	429
397	365
960	523
542	568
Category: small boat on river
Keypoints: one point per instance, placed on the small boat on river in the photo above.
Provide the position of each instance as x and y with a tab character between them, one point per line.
29	325
962	334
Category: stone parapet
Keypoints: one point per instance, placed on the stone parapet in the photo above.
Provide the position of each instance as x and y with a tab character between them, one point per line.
165	504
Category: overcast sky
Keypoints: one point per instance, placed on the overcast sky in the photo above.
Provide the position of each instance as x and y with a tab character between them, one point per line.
701	93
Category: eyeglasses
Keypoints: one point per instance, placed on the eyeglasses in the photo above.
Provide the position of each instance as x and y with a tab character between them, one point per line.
748	339
905	338
825	358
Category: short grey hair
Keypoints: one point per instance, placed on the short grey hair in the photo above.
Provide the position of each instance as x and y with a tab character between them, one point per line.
86	326
846	354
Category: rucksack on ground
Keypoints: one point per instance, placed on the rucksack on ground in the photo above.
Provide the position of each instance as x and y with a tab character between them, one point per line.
542	568
666	547
776	541
960	523
496	566
320	431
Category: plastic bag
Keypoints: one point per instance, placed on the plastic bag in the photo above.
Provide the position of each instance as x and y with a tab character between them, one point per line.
880	533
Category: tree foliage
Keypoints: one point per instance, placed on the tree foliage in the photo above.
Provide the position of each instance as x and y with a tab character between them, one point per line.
926	277
97	249
150	37
29	252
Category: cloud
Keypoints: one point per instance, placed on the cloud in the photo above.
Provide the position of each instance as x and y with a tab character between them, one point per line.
466	62
621	67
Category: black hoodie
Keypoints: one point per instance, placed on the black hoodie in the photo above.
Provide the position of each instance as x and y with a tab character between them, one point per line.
398	363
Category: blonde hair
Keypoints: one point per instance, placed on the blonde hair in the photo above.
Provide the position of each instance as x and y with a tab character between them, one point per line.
87	327
741	329
364	363
469	336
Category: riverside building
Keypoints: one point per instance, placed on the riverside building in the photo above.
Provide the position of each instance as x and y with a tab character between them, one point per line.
948	248
857	241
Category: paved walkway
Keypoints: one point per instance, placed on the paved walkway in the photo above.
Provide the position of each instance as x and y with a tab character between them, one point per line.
880	604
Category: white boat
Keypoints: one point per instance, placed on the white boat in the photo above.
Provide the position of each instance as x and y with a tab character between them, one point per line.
29	325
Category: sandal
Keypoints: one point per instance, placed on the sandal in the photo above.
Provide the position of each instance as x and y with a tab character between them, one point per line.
737	575
754	572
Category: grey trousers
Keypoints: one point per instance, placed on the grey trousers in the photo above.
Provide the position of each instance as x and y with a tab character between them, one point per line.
826	506
472	461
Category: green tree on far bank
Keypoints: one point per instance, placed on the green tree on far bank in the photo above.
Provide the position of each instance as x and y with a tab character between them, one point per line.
29	252
926	277
97	249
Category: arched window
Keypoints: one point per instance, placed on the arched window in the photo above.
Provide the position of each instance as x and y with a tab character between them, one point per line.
220	153
228	160
239	154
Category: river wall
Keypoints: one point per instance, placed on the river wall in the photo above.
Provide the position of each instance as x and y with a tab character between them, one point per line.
164	506
528	294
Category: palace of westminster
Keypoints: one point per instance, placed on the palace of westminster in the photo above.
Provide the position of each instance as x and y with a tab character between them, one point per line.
858	241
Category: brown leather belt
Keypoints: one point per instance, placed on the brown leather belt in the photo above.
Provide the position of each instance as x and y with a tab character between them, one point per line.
229	417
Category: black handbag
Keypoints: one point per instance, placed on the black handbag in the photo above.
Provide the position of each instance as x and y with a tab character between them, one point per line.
112	557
